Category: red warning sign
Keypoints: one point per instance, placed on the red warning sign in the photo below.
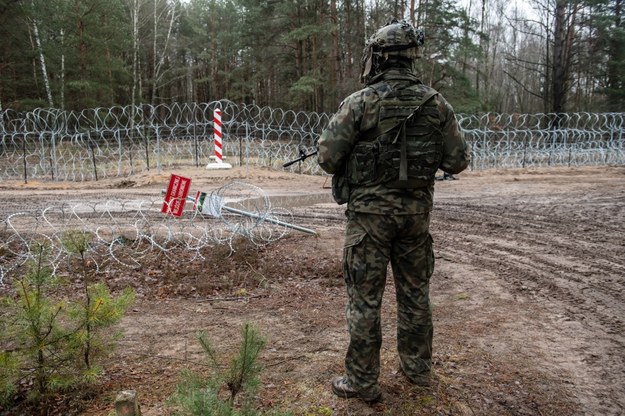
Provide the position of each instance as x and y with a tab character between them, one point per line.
176	195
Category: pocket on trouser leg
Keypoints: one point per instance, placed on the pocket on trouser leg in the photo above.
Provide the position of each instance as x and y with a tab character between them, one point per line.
353	265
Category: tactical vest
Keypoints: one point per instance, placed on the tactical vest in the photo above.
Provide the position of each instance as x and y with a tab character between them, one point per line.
405	149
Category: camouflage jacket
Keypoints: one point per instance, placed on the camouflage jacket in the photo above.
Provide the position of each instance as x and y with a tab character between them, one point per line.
358	114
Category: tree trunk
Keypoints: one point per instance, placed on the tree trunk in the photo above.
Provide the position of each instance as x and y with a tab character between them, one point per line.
564	27
154	58
62	92
134	16
615	52
335	78
82	47
42	59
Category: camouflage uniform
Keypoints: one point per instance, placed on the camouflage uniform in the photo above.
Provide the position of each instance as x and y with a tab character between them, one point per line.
388	219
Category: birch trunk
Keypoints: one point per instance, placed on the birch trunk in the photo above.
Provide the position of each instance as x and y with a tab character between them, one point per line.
42	59
134	16
135	48
159	59
63	69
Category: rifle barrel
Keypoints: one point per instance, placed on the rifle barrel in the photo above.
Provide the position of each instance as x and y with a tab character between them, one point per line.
290	162
299	159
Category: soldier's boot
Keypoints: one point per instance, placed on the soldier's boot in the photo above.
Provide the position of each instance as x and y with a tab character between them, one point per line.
343	388
423	379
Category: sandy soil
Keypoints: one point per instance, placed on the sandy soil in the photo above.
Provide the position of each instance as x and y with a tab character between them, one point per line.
527	294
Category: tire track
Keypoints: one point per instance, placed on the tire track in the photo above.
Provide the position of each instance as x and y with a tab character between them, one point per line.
569	257
555	268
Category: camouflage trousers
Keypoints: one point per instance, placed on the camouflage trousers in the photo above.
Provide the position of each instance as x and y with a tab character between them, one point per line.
371	241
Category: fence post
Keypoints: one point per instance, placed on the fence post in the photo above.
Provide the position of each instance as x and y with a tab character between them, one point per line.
217	136
262	142
130	148
53	156
95	168
158	149
570	145
240	150
247	148
524	150
619	146
24	158
146	139
195	140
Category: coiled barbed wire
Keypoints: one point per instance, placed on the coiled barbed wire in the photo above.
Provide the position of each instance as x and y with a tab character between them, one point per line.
539	140
119	141
125	232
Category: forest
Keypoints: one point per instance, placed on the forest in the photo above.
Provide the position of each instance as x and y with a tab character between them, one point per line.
551	56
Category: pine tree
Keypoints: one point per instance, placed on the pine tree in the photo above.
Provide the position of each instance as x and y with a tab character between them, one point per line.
197	395
53	343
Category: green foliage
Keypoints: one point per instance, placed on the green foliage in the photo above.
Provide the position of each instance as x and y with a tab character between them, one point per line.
9	375
77	241
305	85
29	104
462	95
319	411
304	32
244	371
84	45
94	318
98	309
265	52
608	36
197	395
35	343
53	344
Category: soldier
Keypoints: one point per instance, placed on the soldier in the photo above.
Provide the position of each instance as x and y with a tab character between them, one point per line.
383	147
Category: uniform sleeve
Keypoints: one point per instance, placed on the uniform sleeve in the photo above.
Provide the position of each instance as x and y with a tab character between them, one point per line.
456	151
338	139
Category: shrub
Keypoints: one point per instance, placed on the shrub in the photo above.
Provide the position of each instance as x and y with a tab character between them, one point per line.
197	395
50	344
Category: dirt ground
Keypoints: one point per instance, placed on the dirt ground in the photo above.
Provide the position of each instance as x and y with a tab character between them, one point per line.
527	297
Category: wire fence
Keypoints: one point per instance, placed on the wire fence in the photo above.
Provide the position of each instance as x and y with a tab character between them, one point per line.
128	233
50	144
540	140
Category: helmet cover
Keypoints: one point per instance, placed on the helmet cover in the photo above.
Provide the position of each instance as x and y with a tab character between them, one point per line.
397	38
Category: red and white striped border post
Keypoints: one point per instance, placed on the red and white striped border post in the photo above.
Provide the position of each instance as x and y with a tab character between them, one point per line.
216	161
218	135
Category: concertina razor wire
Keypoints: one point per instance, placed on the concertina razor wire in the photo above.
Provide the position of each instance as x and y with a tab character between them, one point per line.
126	232
50	144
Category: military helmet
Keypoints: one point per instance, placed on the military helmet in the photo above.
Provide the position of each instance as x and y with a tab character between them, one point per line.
397	38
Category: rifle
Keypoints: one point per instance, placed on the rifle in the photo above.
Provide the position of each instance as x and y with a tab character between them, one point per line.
302	156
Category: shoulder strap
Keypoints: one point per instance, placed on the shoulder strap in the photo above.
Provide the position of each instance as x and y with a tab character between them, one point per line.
426	97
